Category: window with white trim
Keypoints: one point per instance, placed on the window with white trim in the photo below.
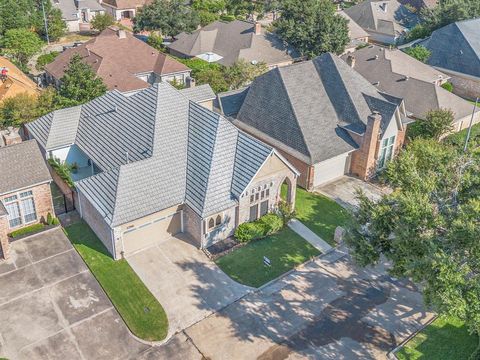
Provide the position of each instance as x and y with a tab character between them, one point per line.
386	152
20	208
214	222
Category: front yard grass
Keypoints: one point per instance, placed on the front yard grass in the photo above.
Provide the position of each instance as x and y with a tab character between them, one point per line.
446	338
320	214
140	310
285	249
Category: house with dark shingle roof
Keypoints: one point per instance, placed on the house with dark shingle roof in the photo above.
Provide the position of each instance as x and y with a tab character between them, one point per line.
418	84
226	42
124	62
156	164
25	197
386	21
324	117
455	51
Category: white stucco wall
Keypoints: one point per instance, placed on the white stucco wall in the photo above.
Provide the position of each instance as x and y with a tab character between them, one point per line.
71	154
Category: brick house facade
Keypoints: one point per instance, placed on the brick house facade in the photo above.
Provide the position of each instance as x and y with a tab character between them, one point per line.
25	196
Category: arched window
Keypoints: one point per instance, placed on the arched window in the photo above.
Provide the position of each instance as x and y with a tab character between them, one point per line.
218	220
211	223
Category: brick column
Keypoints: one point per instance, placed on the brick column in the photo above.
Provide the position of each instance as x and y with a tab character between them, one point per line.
4	244
364	159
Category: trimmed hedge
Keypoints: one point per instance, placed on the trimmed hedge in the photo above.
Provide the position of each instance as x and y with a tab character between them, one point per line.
27	230
267	225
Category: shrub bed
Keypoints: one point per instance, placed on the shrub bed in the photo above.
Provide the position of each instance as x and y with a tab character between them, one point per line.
27	230
63	170
267	225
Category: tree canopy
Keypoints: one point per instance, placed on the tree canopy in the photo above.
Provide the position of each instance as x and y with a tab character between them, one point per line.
169	17
429	227
419	52
312	26
437	123
80	84
21	44
102	21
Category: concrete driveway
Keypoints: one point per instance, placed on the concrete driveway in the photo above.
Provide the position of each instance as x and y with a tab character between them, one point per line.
51	306
329	309
189	286
343	191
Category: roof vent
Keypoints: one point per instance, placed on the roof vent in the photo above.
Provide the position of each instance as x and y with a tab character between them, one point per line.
406	78
376	83
376	57
121	34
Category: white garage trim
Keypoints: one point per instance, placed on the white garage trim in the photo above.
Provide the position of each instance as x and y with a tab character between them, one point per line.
147	224
331	169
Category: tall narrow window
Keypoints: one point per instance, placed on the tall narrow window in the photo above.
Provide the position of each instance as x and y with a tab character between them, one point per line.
386	152
14	217
218	220
28	209
211	223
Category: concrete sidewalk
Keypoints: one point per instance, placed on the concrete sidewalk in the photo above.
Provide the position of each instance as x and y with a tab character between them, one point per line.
320	244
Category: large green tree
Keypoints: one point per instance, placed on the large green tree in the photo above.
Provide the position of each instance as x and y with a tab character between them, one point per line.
21	44
429	227
436	124
169	17
312	26
102	21
80	84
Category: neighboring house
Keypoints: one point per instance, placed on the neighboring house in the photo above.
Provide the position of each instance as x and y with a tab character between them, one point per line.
16	82
418	84
324	117
124	62
357	35
456	51
25	197
420	4
386	21
124	10
227	42
163	165
78	13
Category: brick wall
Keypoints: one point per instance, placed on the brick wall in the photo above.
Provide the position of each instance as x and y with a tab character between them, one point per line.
192	225
42	197
4	245
465	87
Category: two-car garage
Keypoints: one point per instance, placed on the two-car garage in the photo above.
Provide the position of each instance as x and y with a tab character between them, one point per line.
152	230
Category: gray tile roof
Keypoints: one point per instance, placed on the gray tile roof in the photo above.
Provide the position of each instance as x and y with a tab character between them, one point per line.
306	106
387	17
388	69
456	47
230	102
199	93
22	165
179	152
234	40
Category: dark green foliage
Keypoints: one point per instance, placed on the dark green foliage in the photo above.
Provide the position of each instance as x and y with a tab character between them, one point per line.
79	84
448	86
285	211
62	170
156	42
21	44
31	229
56	26
102	21
418	32
169	17
206	17
436	124
266	225
458	139
421	53
45	59
16	110
313	27
428	227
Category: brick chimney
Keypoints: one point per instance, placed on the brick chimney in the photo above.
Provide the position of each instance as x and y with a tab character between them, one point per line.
364	159
351	61
258	28
121	34
11	136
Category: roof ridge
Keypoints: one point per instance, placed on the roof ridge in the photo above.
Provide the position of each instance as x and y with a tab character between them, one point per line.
466	39
285	88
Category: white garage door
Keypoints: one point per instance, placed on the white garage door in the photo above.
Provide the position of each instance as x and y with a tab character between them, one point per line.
331	169
151	233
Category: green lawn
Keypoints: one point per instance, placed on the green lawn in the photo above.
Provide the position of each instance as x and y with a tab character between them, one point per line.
285	249
142	313
319	213
446	338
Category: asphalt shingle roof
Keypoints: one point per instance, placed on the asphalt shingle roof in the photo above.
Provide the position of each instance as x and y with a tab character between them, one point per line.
234	40
179	152
390	69
22	165
306	106
383	16
462	52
